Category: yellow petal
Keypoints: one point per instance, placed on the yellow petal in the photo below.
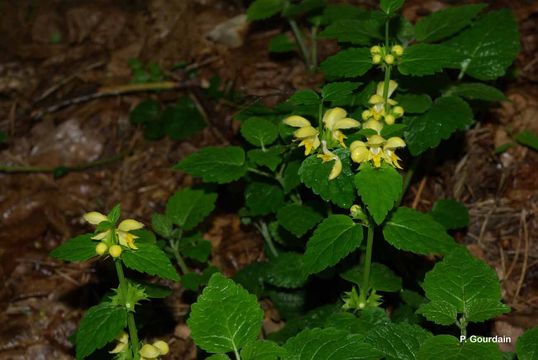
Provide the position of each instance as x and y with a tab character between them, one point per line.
376	99
305	132
296	121
347	123
94	217
119	348
360	154
381	86
310	143
377	159
149	351
162	347
374	125
375	140
332	115
337	168
123	337
101	235
339	136
393	143
130	241
129	225
357	144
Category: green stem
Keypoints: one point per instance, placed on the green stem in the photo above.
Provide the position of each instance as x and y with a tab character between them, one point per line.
462	324
237	356
387	69
314	60
174	245
367	264
299	38
133	334
264	230
276	177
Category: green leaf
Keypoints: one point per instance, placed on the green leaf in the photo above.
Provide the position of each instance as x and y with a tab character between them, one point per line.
337	91
162	225
389	131
335	238
489	46
195	247
315	175
381	277
426	59
305	102
439	312
188	208
297	219
146	111
183	119
302	7
461	280
225	317
79	248
281	43
336	12
448	347
150	259
262	350
100	325
379	188
476	91
330	343
389	7
291	178
215	164
451	214
193	281
263	9
348	63
357	32
397	341
414	103
262	198
218	357
270	158
259	131
411	230
447	115
154	291
444	23
286	270
527	345
528	138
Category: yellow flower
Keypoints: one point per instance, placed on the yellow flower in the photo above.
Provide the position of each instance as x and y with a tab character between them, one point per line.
377	149
335	120
154	351
329	156
122	232
378	101
397	50
101	248
373	125
122	343
115	251
306	133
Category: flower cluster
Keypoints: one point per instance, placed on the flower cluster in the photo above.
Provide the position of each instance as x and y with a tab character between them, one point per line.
383	54
111	238
147	352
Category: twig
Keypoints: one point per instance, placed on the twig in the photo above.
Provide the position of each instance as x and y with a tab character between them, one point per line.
419	192
525	254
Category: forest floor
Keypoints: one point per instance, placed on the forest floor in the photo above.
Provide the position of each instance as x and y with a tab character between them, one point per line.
52	51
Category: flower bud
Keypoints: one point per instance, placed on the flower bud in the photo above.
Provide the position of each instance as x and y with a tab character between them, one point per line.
389	119
398	111
101	248
375	50
397	50
356	212
376	59
389	59
366	114
162	347
115	251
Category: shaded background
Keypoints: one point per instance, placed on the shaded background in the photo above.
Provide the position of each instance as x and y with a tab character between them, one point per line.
53	51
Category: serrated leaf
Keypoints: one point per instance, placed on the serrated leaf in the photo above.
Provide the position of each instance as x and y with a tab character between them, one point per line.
218	357
262	350
489	46
286	270
397	341
195	247
389	131
335	238
270	158
411	230
528	138
439	312
150	259
302	7
154	291
337	91
79	248
414	103
381	277
447	115
527	345
389	7
330	343
315	175
215	164
348	63
304	97
291	177
379	189
447	22
145	111
357	32
460	280
193	281
281	43
188	208
449	348
259	131
162	225
426	59
263	9
451	214
336	12
263	198
183	119
225	317
100	325
476	91
297	219
114	214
